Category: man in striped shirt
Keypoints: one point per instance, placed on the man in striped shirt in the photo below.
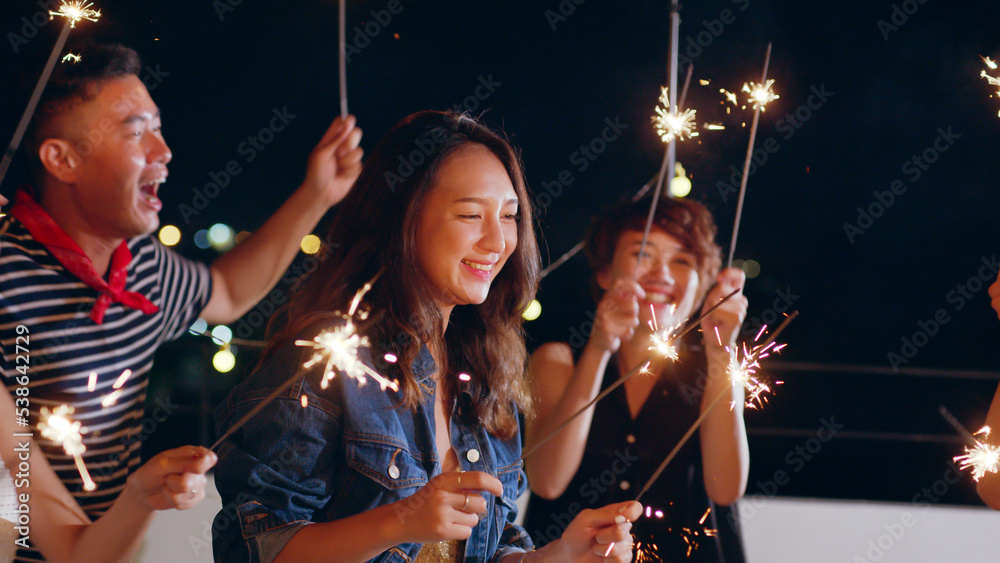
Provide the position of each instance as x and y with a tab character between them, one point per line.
85	289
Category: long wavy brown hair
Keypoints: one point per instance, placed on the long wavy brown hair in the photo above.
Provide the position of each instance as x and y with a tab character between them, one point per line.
374	233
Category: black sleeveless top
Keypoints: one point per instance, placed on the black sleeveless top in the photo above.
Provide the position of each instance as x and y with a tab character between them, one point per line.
621	455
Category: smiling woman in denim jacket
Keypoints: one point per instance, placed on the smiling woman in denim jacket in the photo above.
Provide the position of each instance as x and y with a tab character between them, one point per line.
440	216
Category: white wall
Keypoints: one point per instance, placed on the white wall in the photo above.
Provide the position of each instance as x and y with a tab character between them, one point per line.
776	530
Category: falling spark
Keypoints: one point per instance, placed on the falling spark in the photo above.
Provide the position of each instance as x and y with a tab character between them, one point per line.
671	124
57	426
70	57
991	80
760	94
464	377
982	458
122	379
647	552
305	401
713	127
391	358
92	382
76	11
730	96
337	349
111	398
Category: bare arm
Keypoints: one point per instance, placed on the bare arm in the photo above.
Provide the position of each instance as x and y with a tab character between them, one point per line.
242	276
724	449
61	530
561	388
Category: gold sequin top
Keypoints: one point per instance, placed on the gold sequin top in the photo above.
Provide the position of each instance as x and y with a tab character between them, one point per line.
442	552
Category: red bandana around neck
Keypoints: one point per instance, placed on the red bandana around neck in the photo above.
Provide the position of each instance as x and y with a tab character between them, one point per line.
46	231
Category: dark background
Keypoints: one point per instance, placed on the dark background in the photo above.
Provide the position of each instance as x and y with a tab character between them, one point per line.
224	68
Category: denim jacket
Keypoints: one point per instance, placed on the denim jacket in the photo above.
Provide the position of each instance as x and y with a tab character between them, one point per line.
351	449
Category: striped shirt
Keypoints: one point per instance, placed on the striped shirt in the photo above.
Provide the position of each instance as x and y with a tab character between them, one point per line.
65	346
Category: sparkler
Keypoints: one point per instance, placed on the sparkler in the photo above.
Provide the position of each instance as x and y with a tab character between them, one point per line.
71	58
983	458
641	368
337	350
735	377
760	95
991	80
342	52
673	123
57	426
73	12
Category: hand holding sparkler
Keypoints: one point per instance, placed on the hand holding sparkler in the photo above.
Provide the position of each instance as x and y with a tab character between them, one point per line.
722	326
335	163
604	532
172	479
446	508
617	315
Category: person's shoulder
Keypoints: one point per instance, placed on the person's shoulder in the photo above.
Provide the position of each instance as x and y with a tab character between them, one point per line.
553	353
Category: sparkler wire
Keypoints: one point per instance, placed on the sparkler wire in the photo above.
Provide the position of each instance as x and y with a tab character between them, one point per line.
36	95
342	51
746	164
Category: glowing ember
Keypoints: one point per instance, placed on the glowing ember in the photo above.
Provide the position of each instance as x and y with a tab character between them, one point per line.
760	94
337	349
76	11
671	124
391	358
647	552
57	426
464	377
92	381
305	401
982	458
992	80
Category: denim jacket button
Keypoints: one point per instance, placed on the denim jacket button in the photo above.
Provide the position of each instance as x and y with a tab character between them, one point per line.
472	455
393	471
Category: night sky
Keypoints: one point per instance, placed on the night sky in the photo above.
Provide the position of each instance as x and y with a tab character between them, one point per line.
866	88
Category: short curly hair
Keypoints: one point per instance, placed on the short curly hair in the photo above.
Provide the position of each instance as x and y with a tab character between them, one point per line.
688	221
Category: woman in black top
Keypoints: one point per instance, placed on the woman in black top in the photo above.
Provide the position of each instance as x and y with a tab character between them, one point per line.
608	453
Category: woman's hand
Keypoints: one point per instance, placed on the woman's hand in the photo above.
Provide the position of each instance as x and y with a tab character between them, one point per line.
447	507
728	317
603	534
617	315
172	479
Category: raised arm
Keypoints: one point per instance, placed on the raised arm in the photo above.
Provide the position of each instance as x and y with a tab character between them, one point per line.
59	527
242	276
989	486
561	388
724	449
